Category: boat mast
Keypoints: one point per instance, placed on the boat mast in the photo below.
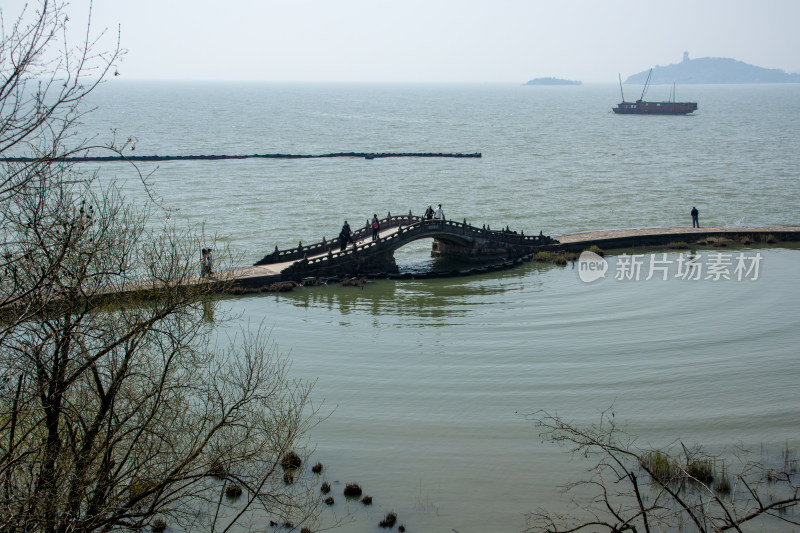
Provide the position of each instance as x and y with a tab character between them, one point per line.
646	83
620	87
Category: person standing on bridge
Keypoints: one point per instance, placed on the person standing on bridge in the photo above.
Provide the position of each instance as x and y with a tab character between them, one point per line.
439	213
345	236
695	217
429	213
376	226
209	263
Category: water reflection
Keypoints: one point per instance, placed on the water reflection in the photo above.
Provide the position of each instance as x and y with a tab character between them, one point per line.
440	301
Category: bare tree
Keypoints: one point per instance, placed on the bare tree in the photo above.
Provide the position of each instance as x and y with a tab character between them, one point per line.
639	489
117	408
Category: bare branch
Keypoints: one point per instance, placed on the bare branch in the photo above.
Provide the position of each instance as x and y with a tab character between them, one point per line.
655	490
115	406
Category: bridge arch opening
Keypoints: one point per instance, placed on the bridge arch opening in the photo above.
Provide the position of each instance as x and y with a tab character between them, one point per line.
415	257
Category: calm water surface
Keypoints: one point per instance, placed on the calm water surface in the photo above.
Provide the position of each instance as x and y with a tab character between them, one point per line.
430	381
554	158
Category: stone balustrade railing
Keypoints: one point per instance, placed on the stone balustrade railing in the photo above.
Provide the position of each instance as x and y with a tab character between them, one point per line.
363	237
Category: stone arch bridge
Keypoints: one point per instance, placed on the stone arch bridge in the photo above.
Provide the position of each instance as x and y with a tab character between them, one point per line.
456	240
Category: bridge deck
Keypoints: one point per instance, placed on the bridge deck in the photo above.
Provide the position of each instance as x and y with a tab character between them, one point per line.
593	237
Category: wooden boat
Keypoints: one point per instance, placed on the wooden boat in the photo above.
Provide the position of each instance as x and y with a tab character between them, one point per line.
641	107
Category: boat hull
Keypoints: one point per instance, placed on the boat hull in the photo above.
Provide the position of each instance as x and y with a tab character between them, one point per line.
655	108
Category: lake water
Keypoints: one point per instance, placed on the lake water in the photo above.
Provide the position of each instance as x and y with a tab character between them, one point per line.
430	381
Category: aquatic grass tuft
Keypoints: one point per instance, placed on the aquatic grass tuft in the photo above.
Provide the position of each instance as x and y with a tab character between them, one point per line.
789	459
317	468
678	245
291	461
389	520
366	500
354	282
329	500
138	487
217	469
159	525
722	483
596	249
233	491
661	468
325	488
543	257
715	241
554	258
701	470
352	490
281	286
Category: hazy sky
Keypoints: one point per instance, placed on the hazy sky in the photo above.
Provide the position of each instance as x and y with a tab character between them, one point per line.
437	40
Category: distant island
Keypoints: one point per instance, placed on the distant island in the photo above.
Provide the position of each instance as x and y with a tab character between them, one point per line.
713	70
553	81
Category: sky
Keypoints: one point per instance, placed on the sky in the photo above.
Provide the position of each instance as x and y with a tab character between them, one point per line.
441	41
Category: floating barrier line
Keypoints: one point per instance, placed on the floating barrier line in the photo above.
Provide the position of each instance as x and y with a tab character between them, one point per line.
364	155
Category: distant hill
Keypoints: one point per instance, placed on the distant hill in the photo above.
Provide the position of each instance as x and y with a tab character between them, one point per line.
553	81
713	70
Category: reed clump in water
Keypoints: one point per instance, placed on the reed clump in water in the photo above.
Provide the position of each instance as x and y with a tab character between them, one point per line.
661	468
317	468
281	286
701	469
678	245
554	258
717	242
790	463
722	483
233	491
217	469
352	490
291	461
595	249
389	520
325	488
354	282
